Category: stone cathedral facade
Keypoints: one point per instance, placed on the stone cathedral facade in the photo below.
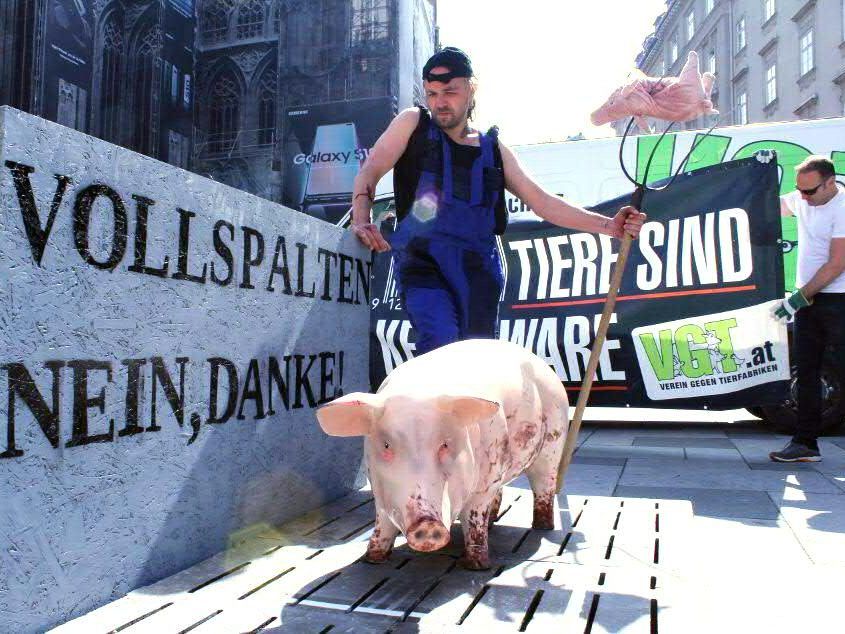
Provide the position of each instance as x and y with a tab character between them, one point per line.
205	84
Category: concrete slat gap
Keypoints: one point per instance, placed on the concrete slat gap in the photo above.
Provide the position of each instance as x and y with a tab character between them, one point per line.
564	543
323	525
322	584
594	606
263	625
140	618
502	514
367	595
421	598
357	506
609	547
479	595
532	608
200	622
218	577
357	530
521	540
266	583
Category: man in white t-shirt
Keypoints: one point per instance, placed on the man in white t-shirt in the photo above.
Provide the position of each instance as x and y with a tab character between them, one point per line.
819	303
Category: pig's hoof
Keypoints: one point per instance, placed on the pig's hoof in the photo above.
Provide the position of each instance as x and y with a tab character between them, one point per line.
543	524
474	563
376	557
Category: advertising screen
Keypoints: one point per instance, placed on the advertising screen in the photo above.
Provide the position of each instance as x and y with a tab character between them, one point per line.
68	45
324	147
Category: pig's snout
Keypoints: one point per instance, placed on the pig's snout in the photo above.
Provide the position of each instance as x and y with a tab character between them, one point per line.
427	535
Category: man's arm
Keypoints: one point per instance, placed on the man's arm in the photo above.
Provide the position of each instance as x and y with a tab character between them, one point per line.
384	155
561	213
829	271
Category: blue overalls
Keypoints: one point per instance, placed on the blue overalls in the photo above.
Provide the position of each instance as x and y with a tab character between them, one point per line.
447	260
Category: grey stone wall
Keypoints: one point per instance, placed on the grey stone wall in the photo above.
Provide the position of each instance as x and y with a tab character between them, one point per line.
108	337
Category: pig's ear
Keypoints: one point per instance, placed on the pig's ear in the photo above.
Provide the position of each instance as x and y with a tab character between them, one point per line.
350	415
466	410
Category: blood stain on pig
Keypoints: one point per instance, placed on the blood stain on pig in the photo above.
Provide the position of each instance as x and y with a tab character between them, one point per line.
543	513
525	435
376	554
476	549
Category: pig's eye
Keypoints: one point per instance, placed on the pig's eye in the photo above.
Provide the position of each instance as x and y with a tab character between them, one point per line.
445	445
386	445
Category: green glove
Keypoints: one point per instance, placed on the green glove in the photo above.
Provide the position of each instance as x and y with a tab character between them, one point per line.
786	310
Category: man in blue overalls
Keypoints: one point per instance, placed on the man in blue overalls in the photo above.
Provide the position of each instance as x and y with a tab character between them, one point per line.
449	183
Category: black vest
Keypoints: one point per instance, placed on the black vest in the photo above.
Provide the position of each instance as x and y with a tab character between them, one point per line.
421	153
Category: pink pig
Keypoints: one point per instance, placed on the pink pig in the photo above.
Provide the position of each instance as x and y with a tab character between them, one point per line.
445	432
672	99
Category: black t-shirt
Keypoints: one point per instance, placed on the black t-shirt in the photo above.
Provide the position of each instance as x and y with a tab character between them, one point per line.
406	172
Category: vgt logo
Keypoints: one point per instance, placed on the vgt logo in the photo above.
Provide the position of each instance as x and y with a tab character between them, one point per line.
712	354
692	351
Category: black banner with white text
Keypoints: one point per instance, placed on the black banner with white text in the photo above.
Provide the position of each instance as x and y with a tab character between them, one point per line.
690	327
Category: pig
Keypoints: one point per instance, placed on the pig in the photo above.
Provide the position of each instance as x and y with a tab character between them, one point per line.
678	99
445	432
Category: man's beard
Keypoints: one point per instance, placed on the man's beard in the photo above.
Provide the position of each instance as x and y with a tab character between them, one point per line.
449	120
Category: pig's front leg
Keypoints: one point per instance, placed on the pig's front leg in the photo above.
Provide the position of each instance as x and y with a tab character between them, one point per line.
494	508
474	523
381	541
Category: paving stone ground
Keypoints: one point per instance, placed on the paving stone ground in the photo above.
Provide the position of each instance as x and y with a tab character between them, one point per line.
662	527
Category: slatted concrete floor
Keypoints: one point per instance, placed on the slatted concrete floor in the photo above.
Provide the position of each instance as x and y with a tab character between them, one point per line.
612	564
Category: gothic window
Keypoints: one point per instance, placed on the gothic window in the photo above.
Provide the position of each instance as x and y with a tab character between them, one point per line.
317	36
370	20
110	81
267	107
215	20
371	77
250	19
72	102
277	17
144	58
224	114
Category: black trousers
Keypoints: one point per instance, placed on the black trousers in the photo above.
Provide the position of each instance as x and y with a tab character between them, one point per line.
817	326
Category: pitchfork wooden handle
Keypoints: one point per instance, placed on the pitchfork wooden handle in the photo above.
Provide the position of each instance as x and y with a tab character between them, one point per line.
595	353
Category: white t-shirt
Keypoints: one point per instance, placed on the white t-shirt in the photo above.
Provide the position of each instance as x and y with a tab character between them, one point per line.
816	227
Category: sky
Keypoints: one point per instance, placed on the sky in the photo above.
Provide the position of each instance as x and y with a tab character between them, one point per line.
544	65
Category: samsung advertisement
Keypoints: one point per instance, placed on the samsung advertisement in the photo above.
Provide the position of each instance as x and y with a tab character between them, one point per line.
324	147
68	45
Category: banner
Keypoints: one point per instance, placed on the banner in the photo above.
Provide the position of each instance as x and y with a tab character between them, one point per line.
324	147
176	103
712	354
68	46
709	250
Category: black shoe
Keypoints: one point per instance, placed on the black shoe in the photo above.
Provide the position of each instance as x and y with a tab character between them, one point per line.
796	452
